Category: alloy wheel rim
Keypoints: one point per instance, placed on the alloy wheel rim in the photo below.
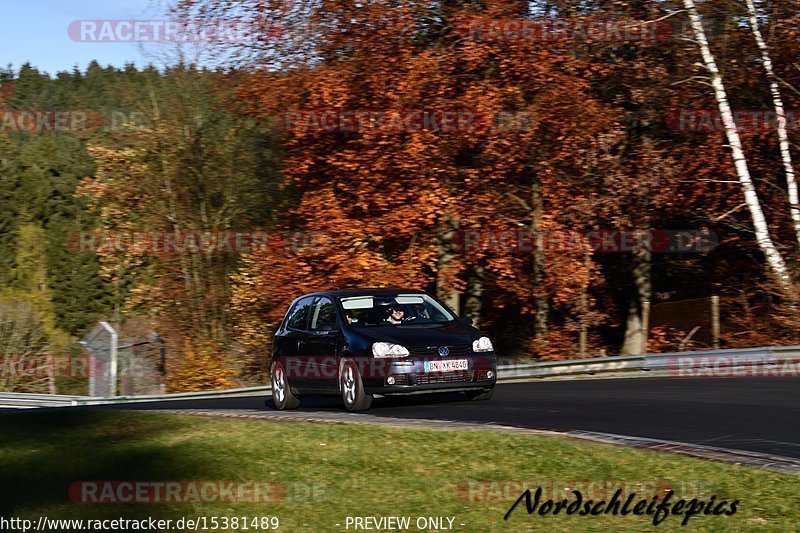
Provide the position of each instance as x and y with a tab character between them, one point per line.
280	385
349	385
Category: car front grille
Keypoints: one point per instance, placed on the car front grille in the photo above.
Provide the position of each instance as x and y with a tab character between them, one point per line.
400	379
444	377
456	350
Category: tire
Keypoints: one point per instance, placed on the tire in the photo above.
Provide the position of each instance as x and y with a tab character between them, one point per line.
353	395
282	393
480	395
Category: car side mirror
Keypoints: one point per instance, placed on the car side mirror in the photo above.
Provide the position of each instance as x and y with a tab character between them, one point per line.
467	319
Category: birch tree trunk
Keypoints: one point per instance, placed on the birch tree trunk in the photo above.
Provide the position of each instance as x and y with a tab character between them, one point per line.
775	261
780	113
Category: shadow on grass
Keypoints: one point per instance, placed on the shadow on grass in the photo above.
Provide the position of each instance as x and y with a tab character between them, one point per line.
42	454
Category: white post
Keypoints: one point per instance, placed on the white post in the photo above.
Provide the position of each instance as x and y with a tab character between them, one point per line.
113	369
715	322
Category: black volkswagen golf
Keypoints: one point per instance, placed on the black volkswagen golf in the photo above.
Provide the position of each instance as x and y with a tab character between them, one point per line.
363	343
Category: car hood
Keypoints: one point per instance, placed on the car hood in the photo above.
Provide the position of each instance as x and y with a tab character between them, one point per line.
448	334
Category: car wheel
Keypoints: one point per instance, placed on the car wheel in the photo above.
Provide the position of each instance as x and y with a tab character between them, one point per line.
353	395
480	395
282	393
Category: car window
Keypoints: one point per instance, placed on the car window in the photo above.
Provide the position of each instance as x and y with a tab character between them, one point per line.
298	316
324	314
394	309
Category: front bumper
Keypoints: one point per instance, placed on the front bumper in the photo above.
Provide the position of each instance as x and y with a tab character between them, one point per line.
408	376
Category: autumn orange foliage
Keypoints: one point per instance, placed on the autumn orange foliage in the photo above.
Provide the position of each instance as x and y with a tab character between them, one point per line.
201	367
593	146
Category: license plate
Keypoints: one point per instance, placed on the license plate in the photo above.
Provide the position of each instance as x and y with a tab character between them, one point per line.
446	366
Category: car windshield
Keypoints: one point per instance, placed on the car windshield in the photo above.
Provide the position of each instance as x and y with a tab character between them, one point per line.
394	310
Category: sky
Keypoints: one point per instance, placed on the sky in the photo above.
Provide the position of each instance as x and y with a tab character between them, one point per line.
35	31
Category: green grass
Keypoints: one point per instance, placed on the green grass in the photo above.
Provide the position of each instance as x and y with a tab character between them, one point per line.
332	471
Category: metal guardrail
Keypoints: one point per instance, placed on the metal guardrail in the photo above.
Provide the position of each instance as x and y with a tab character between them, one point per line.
21	400
24	400
766	361
587	367
204	395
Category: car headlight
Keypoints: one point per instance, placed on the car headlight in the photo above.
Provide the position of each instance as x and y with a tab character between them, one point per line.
482	345
389	350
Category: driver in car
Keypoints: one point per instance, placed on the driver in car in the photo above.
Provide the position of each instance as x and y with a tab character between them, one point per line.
396	315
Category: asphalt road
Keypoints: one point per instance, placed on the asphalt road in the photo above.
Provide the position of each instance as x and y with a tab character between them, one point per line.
760	415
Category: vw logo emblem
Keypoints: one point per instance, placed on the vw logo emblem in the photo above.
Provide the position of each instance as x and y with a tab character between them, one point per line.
444	351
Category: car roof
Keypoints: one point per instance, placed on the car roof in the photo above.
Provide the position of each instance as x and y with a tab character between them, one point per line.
339	293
